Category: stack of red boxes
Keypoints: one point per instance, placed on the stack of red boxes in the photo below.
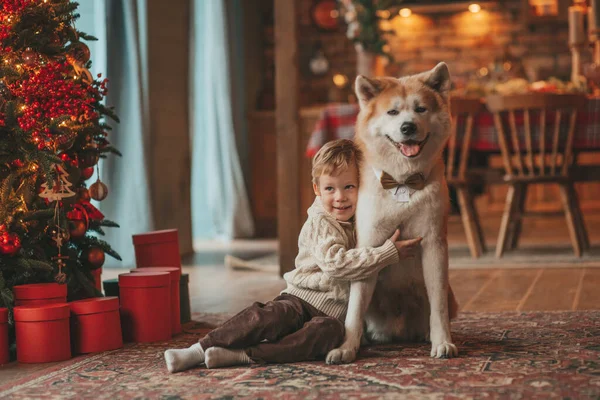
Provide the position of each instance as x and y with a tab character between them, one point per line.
45	324
150	299
148	308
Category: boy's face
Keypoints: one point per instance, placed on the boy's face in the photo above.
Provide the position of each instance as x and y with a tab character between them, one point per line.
339	192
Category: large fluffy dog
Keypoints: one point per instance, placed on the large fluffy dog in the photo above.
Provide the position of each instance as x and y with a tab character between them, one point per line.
402	128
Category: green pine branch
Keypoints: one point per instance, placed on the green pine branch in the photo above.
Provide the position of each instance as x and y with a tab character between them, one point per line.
38	215
110	149
108	111
109	223
85	36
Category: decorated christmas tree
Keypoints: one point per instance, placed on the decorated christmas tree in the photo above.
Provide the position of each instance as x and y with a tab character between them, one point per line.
53	132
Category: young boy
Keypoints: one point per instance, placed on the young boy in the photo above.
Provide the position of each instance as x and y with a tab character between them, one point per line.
305	321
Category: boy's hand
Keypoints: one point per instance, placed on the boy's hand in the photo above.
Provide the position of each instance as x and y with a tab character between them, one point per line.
406	248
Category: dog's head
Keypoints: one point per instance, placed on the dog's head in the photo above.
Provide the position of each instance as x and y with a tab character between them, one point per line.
404	121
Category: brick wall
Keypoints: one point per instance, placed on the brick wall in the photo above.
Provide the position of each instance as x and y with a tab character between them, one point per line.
466	41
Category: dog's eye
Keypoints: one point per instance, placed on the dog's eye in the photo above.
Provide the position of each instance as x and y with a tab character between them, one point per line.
393	112
420	110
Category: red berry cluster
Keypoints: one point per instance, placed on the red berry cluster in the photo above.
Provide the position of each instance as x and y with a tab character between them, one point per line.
9	9
52	92
14	6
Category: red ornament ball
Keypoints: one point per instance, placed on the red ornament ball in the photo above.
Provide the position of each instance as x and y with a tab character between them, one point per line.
80	52
10	244
98	191
77	229
87	173
83	194
94	256
30	57
89	158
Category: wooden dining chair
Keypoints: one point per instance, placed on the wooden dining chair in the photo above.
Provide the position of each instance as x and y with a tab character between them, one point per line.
538	150
458	175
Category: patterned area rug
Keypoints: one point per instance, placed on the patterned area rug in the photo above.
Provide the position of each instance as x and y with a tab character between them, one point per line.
503	355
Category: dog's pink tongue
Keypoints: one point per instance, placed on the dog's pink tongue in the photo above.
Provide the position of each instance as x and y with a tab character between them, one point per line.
410	150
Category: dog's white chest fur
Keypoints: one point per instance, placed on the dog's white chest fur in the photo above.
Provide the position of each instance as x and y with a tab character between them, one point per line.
399	309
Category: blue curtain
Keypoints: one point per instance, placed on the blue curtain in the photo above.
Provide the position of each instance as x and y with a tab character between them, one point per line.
128	202
220	206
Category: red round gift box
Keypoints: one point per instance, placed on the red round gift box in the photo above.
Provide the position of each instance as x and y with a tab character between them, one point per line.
97	273
157	249
96	325
42	333
175	277
145	306
36	294
4	356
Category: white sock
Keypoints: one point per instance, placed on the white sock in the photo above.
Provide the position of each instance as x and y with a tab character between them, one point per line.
182	359
220	357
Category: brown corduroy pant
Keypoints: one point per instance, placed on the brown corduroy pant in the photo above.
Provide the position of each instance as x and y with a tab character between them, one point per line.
287	329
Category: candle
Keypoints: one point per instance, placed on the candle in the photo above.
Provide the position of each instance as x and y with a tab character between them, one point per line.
576	32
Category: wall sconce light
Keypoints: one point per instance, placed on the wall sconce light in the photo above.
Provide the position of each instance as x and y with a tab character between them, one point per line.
474	8
405	12
340	80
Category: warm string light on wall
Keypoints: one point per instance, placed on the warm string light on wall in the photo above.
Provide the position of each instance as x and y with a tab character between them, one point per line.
474	8
405	12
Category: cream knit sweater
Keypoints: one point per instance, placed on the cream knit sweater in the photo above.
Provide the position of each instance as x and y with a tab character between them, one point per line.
327	262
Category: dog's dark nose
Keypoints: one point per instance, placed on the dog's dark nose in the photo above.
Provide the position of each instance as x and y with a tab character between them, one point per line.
408	128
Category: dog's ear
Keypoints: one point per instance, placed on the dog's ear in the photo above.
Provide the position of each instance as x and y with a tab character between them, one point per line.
366	89
439	79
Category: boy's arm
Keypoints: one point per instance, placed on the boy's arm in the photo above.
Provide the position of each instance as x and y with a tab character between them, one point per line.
336	260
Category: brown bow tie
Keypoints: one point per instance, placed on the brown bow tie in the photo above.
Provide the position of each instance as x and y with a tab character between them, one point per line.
415	181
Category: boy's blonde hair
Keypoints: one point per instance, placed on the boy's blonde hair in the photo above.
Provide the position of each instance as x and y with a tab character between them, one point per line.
334	156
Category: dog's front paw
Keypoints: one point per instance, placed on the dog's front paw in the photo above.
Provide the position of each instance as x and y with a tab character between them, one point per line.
444	350
341	355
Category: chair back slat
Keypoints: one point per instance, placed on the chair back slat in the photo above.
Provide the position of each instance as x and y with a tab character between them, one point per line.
451	148
514	134
554	159
466	145
462	109
569	145
526	122
542	142
503	143
527	153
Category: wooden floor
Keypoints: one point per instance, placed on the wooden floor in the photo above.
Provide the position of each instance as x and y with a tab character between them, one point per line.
527	289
